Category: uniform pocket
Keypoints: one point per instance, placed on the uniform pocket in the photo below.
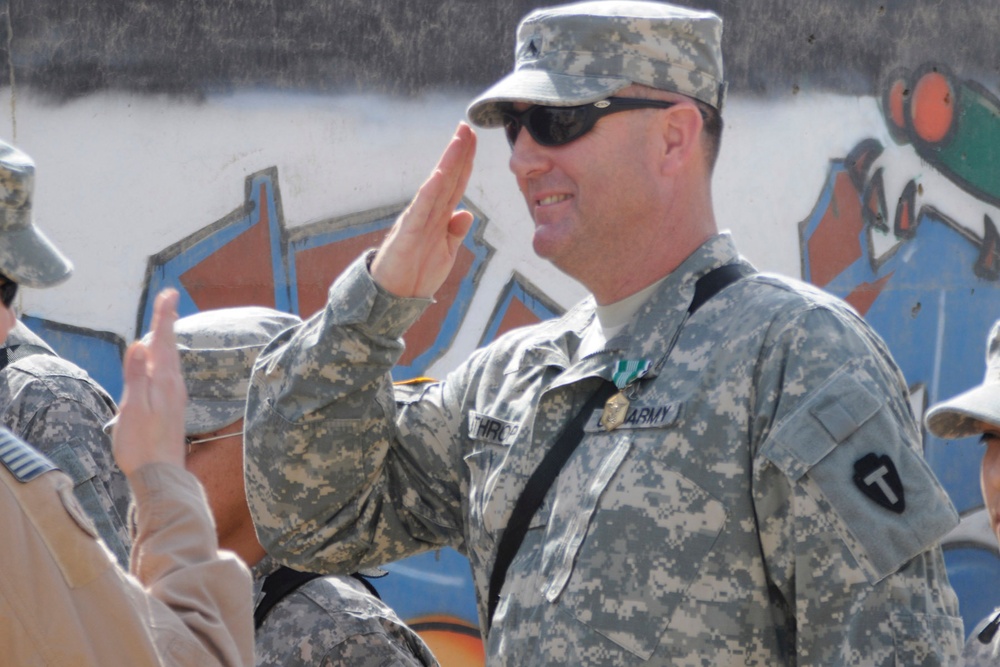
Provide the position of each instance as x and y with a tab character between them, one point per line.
644	545
921	639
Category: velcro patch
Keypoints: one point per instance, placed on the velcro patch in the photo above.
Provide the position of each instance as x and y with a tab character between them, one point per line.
490	429
23	461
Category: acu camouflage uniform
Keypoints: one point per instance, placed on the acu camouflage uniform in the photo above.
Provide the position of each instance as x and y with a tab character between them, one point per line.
58	408
333	622
978	654
720	525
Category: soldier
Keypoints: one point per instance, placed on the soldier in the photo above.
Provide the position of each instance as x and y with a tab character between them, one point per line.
698	464
977	412
302	620
45	399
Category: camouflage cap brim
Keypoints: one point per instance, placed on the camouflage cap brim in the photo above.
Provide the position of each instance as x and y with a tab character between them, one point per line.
28	257
960	417
206	416
540	87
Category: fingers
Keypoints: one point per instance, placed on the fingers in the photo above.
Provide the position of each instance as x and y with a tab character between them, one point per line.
451	176
136	392
163	344
150	426
420	249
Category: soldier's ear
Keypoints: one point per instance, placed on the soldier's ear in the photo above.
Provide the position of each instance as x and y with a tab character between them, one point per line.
680	128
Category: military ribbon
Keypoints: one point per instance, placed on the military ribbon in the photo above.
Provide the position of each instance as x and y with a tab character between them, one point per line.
628	371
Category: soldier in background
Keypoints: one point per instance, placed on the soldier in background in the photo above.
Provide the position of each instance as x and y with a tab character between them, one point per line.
46	400
302	619
977	412
740	479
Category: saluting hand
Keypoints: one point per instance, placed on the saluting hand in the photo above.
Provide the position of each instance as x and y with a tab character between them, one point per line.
420	250
150	426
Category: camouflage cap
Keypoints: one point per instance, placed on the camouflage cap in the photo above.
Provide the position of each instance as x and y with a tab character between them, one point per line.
583	52
26	255
218	349
958	417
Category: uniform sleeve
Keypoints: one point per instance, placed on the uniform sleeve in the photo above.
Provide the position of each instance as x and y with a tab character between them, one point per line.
334	624
850	514
70	432
201	607
337	477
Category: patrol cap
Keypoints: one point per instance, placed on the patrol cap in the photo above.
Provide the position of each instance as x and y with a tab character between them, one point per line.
26	255
217	350
958	416
584	52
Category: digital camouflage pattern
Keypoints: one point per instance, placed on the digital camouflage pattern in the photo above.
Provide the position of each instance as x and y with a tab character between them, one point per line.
59	409
719	525
978	654
584	52
217	350
333	622
26	255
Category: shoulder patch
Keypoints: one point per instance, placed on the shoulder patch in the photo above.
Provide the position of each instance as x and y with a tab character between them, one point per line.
23	461
878	479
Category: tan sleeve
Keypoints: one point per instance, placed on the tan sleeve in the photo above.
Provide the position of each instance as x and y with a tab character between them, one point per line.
203	601
63	599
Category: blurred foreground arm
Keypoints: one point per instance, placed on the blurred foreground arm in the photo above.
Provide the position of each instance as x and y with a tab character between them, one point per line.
201	599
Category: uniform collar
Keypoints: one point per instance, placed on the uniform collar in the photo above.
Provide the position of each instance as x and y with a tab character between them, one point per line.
554	343
656	321
22	335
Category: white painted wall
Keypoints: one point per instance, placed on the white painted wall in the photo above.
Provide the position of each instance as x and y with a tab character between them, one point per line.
120	177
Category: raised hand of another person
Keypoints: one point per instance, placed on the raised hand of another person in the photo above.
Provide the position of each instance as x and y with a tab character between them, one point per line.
420	250
150	426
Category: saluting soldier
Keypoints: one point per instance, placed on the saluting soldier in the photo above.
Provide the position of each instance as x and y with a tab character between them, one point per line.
976	412
698	464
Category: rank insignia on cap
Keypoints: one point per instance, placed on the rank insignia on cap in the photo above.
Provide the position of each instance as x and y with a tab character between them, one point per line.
23	461
877	478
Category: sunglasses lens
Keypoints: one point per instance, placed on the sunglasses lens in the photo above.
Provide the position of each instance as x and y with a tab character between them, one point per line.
554	126
511	127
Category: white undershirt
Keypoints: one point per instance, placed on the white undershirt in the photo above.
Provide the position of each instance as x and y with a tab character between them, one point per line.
611	319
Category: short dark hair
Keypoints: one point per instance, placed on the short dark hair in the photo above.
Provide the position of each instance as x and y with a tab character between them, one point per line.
712	130
711	126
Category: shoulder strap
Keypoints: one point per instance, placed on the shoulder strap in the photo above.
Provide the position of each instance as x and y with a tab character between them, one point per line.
277	585
545	474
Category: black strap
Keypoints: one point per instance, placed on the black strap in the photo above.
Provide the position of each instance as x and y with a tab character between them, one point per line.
276	586
545	474
366	582
283	581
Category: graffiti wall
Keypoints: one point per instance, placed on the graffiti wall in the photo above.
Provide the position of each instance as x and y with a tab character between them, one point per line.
245	152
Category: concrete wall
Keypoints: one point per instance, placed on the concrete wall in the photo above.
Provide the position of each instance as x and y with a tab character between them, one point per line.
246	151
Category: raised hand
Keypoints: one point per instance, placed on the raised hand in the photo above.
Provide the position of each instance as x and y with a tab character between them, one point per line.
420	250
150	426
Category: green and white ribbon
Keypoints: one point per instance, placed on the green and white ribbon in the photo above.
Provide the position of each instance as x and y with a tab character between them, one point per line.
628	371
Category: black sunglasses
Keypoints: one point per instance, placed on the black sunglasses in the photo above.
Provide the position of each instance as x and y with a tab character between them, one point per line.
8	290
555	126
